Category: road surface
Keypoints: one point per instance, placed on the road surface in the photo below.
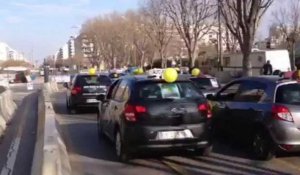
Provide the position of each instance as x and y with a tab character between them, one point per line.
91	156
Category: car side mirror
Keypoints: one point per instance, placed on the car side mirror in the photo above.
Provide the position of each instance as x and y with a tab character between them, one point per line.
66	85
101	97
211	97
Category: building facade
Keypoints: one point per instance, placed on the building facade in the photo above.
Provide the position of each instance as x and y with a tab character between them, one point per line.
7	53
77	50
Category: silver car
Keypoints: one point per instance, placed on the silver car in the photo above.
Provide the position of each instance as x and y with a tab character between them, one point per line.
263	112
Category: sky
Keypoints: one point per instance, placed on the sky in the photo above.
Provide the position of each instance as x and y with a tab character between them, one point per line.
39	28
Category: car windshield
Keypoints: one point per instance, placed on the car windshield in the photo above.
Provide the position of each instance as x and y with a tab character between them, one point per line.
178	90
205	83
288	94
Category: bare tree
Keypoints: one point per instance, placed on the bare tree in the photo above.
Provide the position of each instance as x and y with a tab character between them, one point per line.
119	39
157	26
287	18
192	19
242	18
230	41
105	31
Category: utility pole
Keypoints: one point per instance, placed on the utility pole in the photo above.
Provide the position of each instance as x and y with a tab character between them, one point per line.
220	48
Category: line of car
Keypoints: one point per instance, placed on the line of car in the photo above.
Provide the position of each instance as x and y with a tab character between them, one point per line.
139	113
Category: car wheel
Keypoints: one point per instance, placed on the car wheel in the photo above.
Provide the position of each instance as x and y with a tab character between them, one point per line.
99	127
72	110
206	152
67	104
120	148
262	146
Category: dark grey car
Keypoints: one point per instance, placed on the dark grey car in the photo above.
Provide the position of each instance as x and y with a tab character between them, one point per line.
83	90
262	111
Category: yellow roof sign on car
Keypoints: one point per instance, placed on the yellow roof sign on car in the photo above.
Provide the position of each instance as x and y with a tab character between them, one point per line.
170	75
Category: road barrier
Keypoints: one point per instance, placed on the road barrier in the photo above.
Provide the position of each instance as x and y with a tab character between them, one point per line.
50	87
7	109
50	156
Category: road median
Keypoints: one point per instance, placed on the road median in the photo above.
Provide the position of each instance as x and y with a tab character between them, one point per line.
50	157
7	110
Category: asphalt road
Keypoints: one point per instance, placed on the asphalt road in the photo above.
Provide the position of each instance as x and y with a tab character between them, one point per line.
17	146
91	156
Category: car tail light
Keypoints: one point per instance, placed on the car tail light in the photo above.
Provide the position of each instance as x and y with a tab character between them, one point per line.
131	112
280	112
205	108
76	90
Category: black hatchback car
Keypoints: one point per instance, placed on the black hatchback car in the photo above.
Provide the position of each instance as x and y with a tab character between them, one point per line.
84	89
139	113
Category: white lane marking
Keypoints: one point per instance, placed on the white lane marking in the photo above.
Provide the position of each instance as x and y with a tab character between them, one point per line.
11	157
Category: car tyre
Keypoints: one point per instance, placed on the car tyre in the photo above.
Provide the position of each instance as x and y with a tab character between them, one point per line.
99	127
262	146
120	148
205	152
68	105
72	110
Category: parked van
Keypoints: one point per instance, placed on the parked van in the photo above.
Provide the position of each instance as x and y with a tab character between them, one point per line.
279	59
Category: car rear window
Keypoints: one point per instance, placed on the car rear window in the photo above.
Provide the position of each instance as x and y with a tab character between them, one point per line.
288	94
206	82
178	90
87	80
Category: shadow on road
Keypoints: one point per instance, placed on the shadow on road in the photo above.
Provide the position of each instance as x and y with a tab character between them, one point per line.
217	166
84	141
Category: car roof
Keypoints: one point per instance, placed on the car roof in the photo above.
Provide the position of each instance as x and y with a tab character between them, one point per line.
147	78
84	74
274	80
87	74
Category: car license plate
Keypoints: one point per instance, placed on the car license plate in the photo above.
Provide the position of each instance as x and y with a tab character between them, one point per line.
92	101
172	135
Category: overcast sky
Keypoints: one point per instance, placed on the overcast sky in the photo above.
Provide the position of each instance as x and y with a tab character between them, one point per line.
40	27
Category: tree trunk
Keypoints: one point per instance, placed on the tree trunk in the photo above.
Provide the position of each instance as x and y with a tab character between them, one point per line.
293	56
191	59
143	59
162	59
195	57
247	67
246	50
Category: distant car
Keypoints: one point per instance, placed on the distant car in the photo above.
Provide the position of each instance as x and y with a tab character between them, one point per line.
114	75
83	90
139	114
20	77
263	112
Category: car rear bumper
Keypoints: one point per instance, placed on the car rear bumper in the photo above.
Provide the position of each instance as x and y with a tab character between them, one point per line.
170	146
286	134
141	138
82	101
